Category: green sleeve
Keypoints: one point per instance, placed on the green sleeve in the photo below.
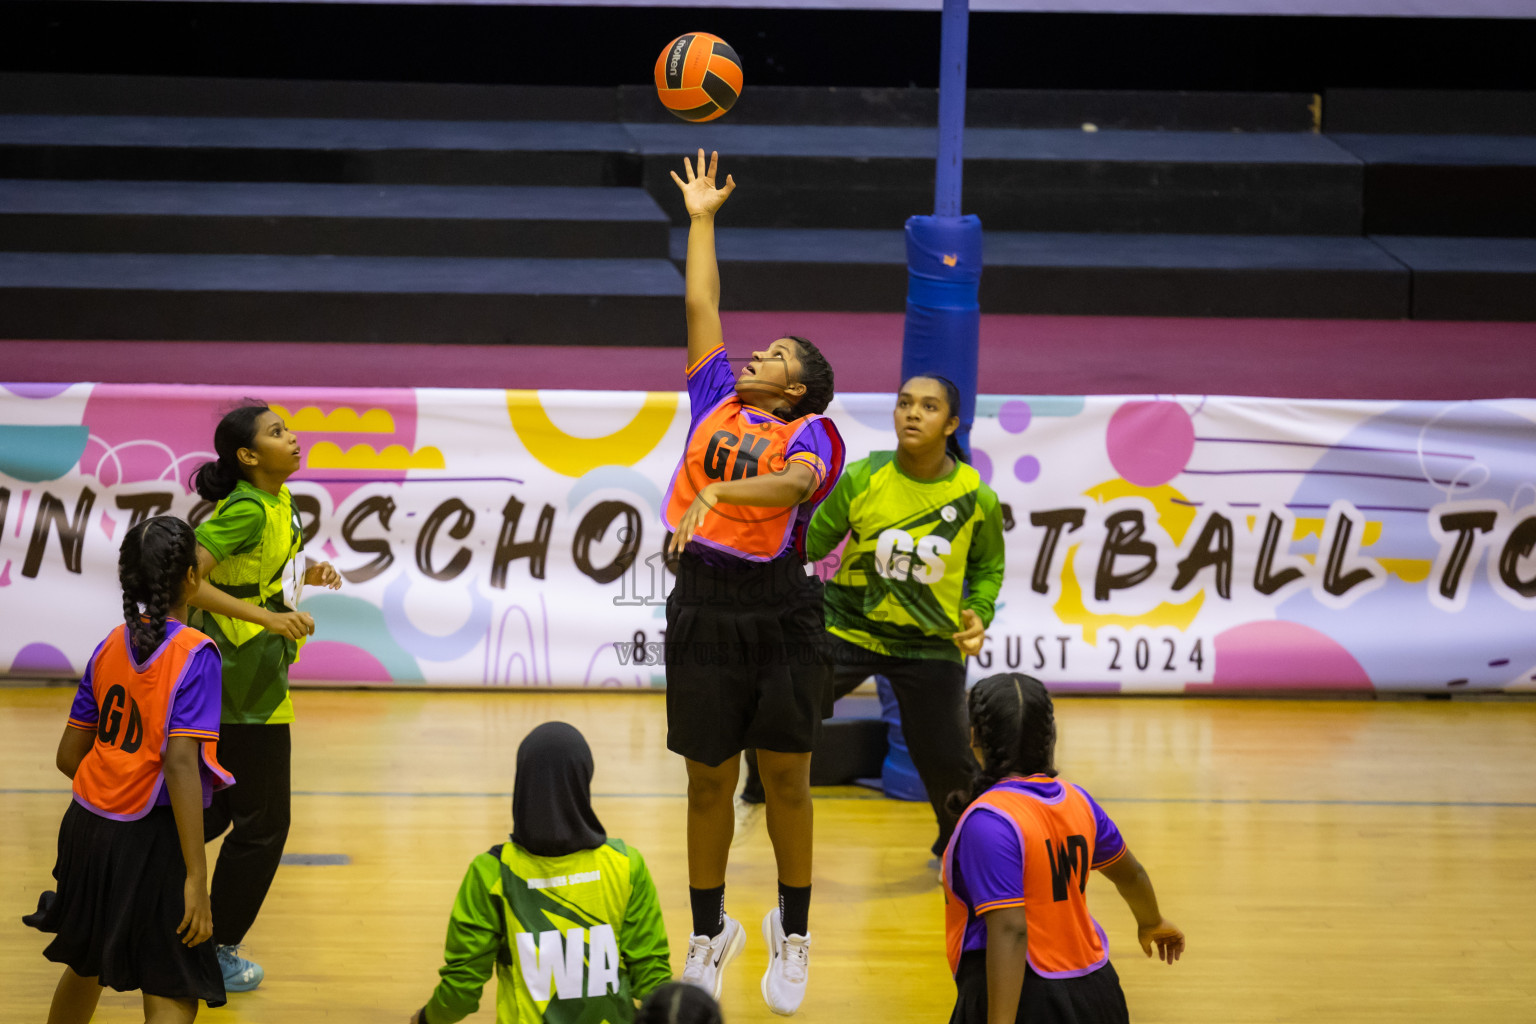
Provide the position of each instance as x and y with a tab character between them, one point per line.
233	530
984	561
643	937
830	523
474	937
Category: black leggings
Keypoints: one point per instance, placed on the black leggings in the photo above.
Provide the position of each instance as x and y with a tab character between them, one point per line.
257	807
931	695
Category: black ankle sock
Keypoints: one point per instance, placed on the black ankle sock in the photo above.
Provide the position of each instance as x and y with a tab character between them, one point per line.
795	908
708	910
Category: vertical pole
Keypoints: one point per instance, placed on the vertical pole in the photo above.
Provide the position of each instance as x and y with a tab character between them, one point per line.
952	47
944	252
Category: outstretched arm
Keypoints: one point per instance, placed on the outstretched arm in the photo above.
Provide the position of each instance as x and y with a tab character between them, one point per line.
701	290
1151	926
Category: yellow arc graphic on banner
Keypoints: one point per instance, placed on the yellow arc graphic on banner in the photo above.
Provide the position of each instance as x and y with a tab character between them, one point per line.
576	456
1175	519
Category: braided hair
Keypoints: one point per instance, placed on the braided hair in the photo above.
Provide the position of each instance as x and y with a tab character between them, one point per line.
151	565
678	1003
215	480
952	396
1014	723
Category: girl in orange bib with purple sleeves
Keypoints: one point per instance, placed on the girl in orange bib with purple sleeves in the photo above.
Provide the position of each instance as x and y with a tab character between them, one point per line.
746	659
131	907
1021	943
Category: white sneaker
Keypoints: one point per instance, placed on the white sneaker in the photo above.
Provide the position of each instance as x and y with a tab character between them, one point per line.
707	957
748	814
789	964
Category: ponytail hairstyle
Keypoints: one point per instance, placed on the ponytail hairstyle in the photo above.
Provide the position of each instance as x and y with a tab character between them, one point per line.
679	1003
215	480
151	566
816	375
1014	723
952	396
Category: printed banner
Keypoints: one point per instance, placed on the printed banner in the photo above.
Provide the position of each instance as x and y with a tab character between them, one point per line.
513	538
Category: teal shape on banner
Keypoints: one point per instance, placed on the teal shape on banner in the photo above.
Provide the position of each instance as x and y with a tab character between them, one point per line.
617	478
360	624
1039	405
36	454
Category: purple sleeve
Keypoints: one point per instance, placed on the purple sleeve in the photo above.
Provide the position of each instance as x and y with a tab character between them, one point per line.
989	861
195	710
1108	845
709	380
84	711
816	448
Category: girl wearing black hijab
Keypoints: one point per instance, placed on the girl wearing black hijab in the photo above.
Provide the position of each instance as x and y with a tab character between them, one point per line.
565	916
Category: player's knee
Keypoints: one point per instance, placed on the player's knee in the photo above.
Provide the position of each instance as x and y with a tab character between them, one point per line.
786	783
707	786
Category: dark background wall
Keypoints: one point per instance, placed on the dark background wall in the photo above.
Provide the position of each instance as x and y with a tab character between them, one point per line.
611	46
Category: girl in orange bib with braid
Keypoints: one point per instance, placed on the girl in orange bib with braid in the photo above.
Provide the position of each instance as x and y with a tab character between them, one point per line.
131	908
1022	945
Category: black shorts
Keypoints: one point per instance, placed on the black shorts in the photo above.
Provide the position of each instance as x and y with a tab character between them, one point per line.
746	659
1091	999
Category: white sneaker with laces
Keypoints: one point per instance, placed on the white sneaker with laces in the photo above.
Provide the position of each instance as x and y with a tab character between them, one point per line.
748	814
707	957
789	964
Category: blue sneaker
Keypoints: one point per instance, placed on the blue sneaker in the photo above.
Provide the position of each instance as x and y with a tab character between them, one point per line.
240	974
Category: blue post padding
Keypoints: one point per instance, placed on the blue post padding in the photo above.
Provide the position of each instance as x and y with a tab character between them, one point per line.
943	328
898	776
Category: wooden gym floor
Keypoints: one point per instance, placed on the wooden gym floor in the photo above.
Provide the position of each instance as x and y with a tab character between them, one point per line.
1329	860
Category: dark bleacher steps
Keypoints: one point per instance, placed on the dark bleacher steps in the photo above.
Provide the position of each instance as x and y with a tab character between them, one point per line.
1483	185
1468	278
161	208
1056	273
348	150
1025	179
178	297
381	220
800	176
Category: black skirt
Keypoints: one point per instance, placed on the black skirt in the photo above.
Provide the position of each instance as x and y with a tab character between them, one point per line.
746	656
117	905
1090	999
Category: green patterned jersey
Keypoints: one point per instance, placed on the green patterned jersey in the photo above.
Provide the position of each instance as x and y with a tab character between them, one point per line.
255	538
919	551
572	940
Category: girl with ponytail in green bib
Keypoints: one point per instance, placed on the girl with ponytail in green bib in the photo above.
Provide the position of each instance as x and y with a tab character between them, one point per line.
916	586
247	558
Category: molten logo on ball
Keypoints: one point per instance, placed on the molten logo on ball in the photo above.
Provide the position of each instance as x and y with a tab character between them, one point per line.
698	76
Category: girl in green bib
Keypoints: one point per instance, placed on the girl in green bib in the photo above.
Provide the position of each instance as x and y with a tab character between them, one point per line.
916	586
564	915
247	559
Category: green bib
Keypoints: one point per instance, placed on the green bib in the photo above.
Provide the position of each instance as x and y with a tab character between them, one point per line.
256	661
559	962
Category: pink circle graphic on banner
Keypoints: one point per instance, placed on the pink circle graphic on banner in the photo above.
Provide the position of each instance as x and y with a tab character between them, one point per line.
1014	416
1027	469
333	661
1280	655
1150	443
